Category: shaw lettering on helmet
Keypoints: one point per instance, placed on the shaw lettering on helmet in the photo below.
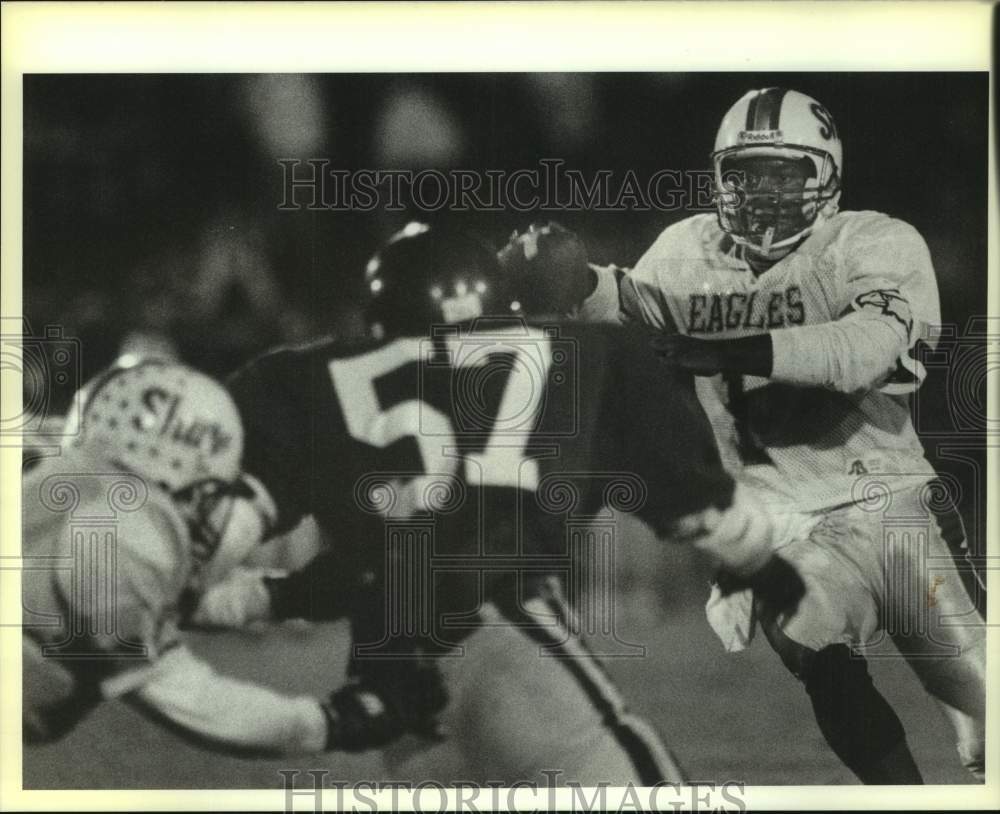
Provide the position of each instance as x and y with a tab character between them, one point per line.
194	434
828	129
163	421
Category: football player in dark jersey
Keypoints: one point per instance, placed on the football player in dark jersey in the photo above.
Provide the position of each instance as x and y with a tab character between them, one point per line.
466	462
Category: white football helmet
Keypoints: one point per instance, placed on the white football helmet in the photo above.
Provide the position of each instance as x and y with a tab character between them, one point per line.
163	421
785	128
180	430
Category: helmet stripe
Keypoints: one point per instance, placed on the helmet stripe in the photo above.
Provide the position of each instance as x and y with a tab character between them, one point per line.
768	109
752	112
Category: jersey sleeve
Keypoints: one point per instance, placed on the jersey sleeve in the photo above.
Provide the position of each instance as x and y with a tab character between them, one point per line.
188	692
642	299
276	449
645	296
603	304
888	300
891	279
626	297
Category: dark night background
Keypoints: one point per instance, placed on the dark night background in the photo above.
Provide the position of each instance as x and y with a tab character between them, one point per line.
150	202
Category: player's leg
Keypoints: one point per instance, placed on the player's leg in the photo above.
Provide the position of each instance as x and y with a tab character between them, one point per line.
622	747
935	623
838	610
528	703
856	720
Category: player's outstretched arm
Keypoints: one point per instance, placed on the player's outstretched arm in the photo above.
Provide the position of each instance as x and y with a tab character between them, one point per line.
551	261
888	273
240	716
850	354
230	714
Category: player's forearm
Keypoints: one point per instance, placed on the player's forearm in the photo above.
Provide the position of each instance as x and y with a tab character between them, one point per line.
188	692
847	355
614	297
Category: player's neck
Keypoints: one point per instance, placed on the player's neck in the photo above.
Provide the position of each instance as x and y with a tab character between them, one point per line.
759	265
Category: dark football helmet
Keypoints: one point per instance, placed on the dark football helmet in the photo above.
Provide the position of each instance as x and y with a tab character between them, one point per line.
426	275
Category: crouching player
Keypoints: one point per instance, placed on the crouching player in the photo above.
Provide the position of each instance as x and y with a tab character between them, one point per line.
145	504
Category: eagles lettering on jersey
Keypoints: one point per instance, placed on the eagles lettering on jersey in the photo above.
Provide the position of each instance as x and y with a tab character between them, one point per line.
695	279
717	312
486	441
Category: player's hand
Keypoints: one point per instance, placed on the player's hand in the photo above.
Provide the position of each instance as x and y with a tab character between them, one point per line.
702	357
235	602
416	689
752	355
358	718
367	714
550	262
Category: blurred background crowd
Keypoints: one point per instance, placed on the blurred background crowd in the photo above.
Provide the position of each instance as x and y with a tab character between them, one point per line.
151	202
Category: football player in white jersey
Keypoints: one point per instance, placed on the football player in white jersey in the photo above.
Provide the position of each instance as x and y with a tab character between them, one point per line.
146	503
803	322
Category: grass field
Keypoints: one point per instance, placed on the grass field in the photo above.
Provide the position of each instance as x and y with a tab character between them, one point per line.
738	717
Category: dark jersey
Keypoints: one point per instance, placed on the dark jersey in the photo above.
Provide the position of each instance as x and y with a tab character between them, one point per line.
443	467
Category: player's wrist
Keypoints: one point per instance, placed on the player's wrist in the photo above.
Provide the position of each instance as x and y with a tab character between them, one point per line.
750	355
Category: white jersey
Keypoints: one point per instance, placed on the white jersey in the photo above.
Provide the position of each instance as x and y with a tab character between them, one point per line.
107	560
806	444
